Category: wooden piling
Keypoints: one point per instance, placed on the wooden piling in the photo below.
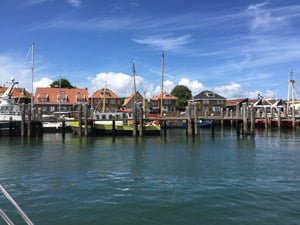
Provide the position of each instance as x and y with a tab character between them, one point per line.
195	120
113	127
252	120
141	122
245	120
190	130
222	117
293	117
80	120
86	125
278	118
23	120
266	118
29	123
231	116
134	133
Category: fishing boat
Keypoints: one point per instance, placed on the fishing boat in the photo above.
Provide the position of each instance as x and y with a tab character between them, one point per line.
116	123
10	114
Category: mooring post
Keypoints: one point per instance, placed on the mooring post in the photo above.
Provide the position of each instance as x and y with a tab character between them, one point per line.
79	120
231	116
141	121
245	119
266	118
86	125
238	128
293	117
23	120
278	118
113	127
195	119
222	117
165	127
252	118
29	120
63	127
190	130
134	133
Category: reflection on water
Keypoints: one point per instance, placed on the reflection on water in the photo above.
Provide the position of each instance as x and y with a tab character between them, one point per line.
209	179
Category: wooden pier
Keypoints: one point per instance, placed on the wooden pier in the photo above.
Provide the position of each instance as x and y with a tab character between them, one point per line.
245	119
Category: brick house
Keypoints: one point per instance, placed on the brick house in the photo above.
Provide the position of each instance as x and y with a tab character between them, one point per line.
49	100
169	102
105	99
134	97
209	102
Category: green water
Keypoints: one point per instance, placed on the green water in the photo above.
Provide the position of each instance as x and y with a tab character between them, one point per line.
154	180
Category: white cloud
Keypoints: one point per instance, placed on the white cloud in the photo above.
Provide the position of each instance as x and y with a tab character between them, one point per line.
120	83
257	6
74	3
194	85
44	82
166	43
231	90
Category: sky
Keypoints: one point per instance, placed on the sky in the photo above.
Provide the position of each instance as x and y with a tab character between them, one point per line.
236	48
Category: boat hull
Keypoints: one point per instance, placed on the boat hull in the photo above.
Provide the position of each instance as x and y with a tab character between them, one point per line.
105	129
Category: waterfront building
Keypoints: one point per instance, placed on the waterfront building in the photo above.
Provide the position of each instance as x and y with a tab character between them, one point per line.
209	102
49	100
105	100
135	98
169	102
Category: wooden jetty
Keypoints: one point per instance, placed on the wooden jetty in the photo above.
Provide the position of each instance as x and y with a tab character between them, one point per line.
245	119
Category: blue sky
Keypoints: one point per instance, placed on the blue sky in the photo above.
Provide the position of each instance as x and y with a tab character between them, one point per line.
236	48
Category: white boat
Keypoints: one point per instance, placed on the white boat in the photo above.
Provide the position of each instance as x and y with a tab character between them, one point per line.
10	114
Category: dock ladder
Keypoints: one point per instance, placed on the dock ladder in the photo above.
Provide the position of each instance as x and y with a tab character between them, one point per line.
17	207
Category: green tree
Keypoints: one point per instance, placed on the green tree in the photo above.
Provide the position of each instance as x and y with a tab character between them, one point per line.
63	83
183	94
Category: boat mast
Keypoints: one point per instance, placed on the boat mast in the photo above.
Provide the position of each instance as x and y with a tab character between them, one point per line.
162	83
32	73
104	98
134	81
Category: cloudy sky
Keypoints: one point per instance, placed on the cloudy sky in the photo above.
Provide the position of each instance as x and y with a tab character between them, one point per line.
237	48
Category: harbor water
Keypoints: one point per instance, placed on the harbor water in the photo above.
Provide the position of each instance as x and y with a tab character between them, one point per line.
221	179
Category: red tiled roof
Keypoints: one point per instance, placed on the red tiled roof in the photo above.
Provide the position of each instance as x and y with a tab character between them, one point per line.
131	98
108	94
165	96
72	94
16	93
235	101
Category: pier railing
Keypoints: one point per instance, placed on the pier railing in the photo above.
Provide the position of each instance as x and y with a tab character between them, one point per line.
17	207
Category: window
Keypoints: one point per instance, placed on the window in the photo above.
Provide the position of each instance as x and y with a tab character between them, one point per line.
210	94
216	109
62	99
80	100
205	102
219	101
42	99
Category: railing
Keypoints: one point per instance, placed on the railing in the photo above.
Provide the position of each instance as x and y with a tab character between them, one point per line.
17	207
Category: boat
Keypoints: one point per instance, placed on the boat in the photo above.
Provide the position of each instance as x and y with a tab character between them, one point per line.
50	123
204	123
116	123
10	113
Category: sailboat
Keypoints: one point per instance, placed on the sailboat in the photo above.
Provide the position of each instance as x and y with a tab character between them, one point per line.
120	122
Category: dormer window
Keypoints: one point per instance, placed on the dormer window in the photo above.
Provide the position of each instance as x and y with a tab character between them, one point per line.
210	94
